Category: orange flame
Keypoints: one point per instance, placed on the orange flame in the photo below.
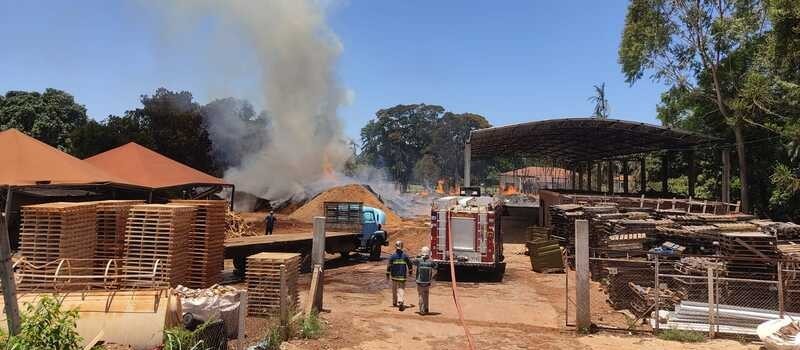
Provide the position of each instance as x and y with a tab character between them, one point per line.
440	186
328	172
510	190
456	190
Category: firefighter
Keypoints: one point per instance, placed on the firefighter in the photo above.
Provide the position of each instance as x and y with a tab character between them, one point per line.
426	269
269	223
398	269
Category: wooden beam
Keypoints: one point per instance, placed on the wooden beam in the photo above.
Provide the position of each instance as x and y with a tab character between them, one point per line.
726	176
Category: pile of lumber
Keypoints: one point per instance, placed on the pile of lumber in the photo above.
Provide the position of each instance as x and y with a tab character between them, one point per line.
562	222
643	299
158	234
545	255
54	231
783	231
236	226
112	216
264	282
206	242
790	253
750	254
694	286
619	275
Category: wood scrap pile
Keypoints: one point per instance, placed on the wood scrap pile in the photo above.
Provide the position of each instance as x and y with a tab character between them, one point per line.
619	274
643	299
694	286
783	231
236	226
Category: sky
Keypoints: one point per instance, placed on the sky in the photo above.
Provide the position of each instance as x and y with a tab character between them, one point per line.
510	61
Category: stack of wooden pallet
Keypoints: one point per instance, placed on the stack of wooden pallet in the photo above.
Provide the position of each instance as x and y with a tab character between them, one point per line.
619	274
158	233
790	253
112	217
54	231
206	242
264	282
747	252
694	286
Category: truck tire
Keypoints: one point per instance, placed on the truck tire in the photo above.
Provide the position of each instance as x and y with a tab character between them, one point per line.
345	254
498	273
239	265
375	251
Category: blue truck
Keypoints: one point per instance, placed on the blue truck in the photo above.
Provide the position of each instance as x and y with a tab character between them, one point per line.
357	217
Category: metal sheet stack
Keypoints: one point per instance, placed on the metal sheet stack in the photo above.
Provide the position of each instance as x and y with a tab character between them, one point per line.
264	282
112	217
206	242
158	232
54	231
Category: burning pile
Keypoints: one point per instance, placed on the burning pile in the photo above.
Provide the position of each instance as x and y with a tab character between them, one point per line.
347	193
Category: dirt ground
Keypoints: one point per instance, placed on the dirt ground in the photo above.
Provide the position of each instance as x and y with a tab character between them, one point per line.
525	311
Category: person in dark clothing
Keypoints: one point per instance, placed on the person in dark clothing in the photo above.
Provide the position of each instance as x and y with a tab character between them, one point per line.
398	269
269	223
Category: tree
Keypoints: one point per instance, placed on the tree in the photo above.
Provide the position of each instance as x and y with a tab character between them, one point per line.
600	102
683	42
50	117
426	171
447	142
397	137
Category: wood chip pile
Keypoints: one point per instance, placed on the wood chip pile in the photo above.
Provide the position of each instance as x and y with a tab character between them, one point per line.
347	193
206	242
263	282
54	231
158	232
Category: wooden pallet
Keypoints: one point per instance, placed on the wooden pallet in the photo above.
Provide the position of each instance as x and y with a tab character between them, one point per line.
54	231
112	216
263	282
206	242
158	232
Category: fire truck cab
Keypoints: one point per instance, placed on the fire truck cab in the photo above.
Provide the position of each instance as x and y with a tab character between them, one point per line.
469	223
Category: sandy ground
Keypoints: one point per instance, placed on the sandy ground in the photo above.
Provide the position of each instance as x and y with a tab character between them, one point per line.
525	311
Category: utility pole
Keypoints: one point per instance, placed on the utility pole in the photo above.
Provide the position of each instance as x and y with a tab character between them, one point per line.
7	270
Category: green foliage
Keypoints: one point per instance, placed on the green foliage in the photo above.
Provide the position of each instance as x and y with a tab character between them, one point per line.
271	342
681	336
178	338
50	117
311	327
601	107
45	326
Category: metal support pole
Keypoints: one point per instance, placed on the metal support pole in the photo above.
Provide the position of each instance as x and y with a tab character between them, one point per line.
643	175
582	305
692	174
726	176
318	259
7	269
625	171
611	176
589	176
665	173
467	163
657	306
781	306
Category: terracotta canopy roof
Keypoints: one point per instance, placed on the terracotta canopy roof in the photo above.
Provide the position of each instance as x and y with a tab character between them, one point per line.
27	161
142	166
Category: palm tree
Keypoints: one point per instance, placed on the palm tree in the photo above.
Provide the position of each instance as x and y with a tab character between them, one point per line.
600	103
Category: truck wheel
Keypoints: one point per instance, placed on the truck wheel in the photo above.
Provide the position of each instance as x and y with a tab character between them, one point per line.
345	254
498	273
375	251
239	265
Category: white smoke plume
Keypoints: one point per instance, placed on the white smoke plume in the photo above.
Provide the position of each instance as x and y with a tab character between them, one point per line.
298	54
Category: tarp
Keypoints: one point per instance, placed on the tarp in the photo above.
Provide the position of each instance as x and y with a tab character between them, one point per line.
27	161
141	166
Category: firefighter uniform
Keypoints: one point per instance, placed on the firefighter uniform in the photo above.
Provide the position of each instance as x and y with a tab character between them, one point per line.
398	269
425	271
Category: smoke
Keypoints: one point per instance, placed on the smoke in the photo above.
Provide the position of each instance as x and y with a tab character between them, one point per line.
297	54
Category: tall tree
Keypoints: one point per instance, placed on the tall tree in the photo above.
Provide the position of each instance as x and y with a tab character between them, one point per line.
448	139
683	41
50	117
600	102
397	137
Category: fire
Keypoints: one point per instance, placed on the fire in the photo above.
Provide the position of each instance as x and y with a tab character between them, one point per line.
510	190
328	172
440	186
456	190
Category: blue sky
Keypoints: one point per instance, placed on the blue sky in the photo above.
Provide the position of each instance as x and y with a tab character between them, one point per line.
511	61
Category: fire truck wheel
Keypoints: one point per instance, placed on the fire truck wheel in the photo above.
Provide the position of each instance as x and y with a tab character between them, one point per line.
375	251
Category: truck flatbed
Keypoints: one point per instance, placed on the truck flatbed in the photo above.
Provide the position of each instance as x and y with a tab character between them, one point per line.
289	242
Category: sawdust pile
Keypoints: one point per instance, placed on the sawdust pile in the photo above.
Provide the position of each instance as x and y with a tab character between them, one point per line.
347	193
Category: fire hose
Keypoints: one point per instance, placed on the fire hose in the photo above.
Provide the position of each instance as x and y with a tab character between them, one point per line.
470	342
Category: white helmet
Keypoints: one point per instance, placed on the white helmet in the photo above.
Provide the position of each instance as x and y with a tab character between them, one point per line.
425	252
398	245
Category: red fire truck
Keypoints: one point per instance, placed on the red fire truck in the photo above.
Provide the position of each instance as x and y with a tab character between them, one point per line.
476	235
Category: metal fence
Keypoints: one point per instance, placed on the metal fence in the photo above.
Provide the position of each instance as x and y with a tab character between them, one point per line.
645	292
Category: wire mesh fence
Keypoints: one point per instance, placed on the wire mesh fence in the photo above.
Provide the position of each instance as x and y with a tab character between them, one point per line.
642	291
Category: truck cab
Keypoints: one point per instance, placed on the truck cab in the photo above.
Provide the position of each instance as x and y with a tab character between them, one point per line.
365	220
